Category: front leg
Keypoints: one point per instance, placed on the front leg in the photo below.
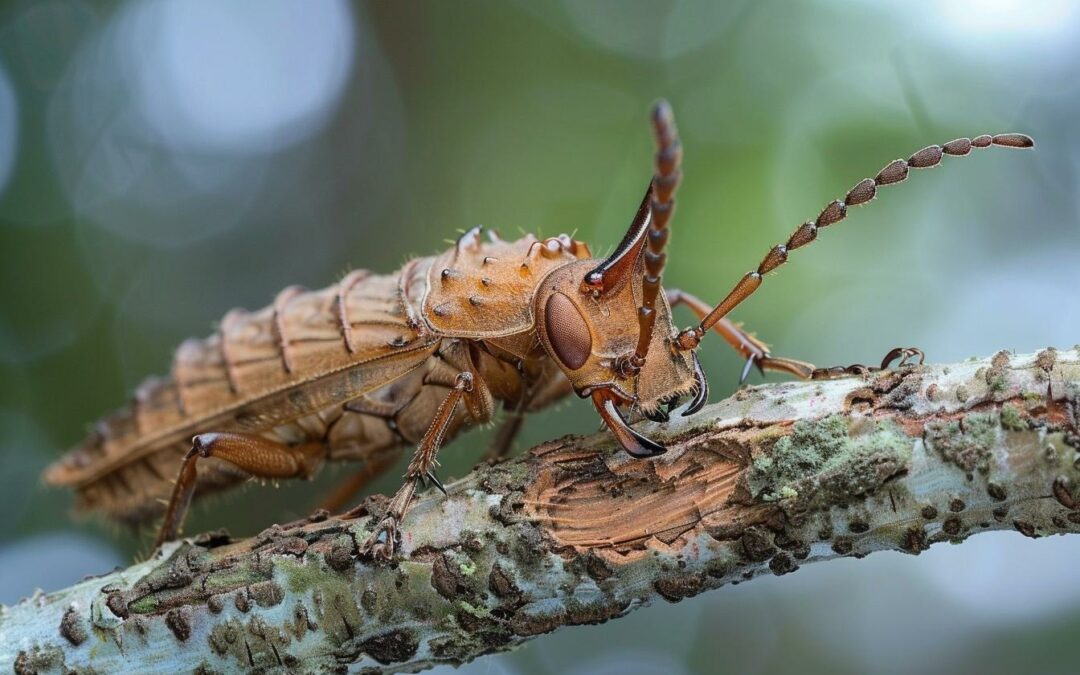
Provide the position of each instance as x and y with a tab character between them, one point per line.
757	353
904	354
383	540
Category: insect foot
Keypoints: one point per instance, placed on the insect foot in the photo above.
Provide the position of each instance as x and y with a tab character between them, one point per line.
905	355
381	544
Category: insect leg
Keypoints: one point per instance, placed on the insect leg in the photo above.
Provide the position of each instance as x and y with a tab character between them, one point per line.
757	354
904	354
422	468
259	456
752	349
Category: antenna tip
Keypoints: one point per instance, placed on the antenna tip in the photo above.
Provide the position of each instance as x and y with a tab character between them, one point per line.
661	111
1014	140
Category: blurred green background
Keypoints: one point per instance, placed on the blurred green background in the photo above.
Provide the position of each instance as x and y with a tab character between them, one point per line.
162	162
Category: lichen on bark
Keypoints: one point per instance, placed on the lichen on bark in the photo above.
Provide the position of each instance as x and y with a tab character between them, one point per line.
576	532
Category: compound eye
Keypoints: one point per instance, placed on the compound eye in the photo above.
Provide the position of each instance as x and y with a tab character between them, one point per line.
567	331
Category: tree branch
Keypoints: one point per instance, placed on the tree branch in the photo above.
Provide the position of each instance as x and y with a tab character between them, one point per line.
573	532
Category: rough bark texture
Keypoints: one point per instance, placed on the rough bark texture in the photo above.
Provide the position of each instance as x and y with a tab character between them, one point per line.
574	532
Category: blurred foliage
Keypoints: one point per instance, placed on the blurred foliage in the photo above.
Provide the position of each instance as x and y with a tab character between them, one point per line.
168	161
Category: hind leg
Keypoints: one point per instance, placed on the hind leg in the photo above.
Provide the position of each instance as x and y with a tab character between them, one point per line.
259	456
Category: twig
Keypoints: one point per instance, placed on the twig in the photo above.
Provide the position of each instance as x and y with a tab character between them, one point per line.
574	532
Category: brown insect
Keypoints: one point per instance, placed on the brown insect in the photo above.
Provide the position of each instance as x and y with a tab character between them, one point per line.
375	362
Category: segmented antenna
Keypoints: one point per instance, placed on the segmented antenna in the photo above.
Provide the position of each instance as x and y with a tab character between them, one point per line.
665	182
864	191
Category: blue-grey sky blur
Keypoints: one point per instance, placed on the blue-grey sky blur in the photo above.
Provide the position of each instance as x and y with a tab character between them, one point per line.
164	161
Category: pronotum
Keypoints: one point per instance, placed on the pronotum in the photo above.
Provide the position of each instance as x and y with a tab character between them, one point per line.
356	371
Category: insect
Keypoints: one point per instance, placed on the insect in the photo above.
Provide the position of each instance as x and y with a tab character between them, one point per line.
356	371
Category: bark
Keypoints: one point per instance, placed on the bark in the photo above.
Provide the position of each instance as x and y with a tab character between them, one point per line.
574	532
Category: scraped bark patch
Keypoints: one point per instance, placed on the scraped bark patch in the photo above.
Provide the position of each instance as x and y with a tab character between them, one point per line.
620	509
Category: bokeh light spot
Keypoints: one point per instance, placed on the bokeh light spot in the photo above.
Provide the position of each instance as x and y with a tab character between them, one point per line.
981	19
243	77
9	120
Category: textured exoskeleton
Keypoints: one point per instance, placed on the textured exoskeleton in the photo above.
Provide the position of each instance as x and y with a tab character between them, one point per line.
373	363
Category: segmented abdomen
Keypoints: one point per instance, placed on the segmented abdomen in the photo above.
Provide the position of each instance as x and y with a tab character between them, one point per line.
267	371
